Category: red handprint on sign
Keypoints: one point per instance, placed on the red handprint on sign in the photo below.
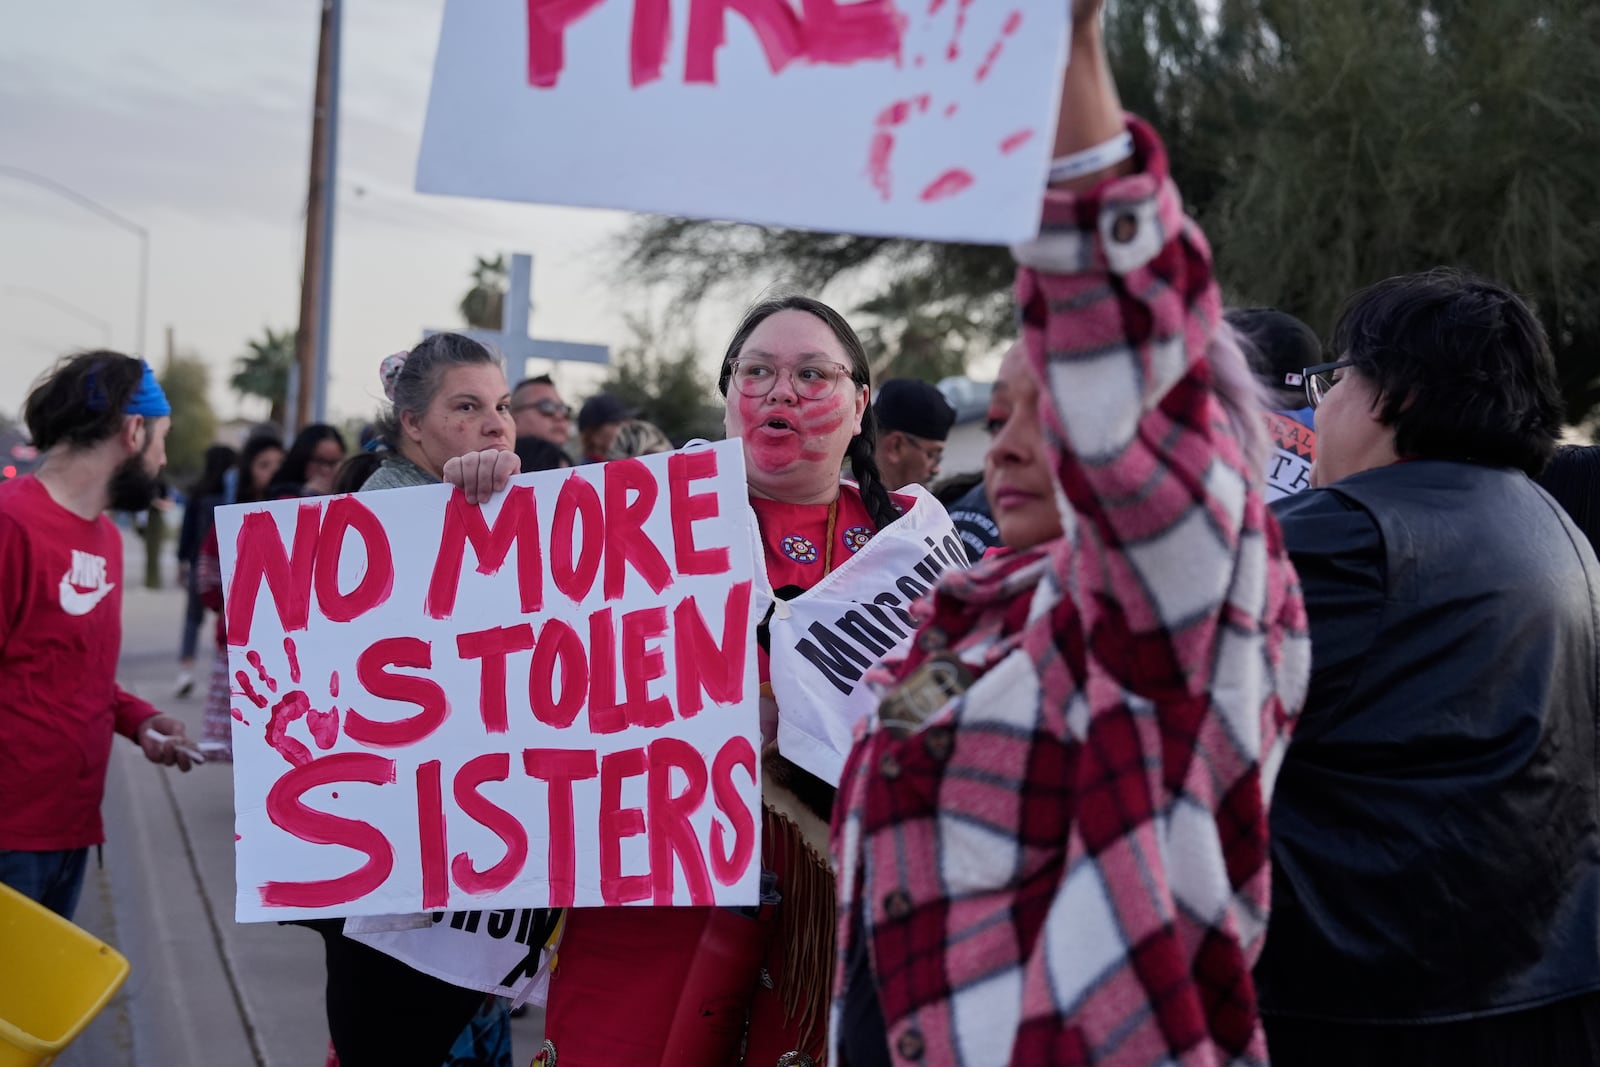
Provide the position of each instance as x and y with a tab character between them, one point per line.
295	704
895	118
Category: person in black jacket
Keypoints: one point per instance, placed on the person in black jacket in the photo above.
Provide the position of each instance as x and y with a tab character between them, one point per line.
1435	846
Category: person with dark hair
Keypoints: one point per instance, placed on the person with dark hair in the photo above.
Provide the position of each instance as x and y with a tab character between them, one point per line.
100	421
599	420
255	472
1051	838
797	382
205	494
1435	845
914	420
355	470
1573	478
310	464
539	411
1280	347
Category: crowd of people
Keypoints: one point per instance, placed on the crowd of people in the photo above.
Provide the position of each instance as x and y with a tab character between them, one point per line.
1262	722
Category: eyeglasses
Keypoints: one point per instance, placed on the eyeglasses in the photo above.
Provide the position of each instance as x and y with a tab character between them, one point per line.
552	409
1319	379
812	381
934	454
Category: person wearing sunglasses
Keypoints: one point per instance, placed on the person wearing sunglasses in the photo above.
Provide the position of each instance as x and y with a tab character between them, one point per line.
1435	845
539	411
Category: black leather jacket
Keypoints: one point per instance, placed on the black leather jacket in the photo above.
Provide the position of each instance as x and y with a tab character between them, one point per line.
1435	842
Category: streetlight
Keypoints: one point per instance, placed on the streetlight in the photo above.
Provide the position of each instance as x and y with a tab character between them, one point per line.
66	307
109	215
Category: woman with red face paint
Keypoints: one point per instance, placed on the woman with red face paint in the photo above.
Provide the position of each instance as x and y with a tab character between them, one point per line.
714	987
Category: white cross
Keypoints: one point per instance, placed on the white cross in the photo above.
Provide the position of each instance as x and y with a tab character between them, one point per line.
512	338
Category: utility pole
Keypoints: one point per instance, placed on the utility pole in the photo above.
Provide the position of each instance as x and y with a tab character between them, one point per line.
171	350
309	397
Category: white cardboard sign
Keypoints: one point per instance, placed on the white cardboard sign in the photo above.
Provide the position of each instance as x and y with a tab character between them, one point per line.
546	702
928	119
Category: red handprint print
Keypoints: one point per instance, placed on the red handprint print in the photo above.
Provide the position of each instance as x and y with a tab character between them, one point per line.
893	118
295	704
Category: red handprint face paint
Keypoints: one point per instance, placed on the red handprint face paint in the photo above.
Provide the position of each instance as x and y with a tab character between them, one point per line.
794	446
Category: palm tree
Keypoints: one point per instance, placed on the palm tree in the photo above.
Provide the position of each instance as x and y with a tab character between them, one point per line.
482	305
263	370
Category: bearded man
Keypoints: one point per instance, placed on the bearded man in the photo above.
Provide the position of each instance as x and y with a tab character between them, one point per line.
100	420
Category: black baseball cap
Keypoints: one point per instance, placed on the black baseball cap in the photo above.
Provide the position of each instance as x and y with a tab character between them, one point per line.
601	409
1279	345
914	407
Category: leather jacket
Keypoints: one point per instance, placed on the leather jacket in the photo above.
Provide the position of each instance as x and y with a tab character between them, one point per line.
1435	842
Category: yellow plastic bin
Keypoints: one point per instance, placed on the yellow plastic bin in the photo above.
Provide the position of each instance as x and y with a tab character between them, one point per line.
54	978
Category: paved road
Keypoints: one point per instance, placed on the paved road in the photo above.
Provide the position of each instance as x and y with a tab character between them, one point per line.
204	989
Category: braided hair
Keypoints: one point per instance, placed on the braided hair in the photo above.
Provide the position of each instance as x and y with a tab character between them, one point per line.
863	448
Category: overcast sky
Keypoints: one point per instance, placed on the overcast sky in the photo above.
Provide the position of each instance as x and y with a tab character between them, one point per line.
192	117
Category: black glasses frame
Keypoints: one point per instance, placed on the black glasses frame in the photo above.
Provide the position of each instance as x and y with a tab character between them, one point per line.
1318	380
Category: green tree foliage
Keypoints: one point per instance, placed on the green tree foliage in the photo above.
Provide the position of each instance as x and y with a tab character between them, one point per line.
483	304
263	370
667	383
187	383
1406	135
1323	144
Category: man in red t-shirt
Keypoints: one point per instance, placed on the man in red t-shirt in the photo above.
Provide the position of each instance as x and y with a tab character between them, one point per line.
101	420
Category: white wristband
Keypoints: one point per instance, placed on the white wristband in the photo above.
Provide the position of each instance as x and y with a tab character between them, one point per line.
1093	160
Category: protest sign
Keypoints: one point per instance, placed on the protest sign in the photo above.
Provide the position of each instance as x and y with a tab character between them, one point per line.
548	701
1294	451
928	119
507	953
825	640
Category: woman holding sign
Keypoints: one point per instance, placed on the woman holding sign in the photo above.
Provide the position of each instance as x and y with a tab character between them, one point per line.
448	396
1052	838
845	559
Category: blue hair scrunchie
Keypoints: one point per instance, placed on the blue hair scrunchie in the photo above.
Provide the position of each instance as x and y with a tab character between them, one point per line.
148	400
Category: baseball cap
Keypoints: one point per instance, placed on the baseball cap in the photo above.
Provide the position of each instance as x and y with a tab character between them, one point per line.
601	409
914	407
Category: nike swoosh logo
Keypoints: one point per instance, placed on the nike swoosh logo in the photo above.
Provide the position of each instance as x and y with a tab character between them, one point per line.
76	603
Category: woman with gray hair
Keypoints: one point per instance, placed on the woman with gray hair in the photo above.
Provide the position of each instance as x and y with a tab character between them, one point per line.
448	396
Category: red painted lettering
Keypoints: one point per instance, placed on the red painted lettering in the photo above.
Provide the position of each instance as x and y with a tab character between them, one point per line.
626	542
643	663
702	663
775	23
854	32
605	717
559	645
617	823
492	646
547	29
561	768
670	831
728	865
372	669
577	500
347	513
260	557
490	767
516	524
431	836
683	469
289	813
647	52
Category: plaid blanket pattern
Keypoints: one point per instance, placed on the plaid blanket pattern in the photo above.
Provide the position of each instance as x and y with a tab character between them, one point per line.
1067	864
